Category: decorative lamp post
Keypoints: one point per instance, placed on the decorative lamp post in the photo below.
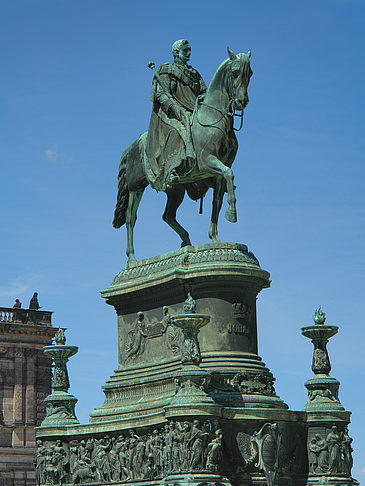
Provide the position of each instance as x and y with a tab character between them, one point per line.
190	323
60	405
322	388
191	380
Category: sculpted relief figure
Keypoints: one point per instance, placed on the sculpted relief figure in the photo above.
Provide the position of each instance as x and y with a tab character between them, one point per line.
334	450
121	447
136	339
39	463
156	453
197	444
55	461
330	455
318	455
115	465
190	144
176	447
346	450
102	459
215	451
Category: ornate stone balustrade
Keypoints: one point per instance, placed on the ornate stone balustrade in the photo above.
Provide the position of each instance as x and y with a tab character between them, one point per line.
9	315
6	315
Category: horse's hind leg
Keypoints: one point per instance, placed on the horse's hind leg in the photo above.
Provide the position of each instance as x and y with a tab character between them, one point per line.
217	204
131	218
174	199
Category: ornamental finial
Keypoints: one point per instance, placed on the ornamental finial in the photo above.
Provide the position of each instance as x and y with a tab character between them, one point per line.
319	316
60	338
189	305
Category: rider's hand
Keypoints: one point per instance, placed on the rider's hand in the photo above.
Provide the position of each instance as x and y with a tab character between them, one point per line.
178	112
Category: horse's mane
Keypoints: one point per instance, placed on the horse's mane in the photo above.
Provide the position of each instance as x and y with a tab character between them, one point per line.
245	60
218	72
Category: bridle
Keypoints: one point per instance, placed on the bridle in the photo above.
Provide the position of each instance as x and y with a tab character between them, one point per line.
230	112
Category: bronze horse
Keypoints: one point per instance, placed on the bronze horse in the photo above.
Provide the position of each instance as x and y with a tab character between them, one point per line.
215	145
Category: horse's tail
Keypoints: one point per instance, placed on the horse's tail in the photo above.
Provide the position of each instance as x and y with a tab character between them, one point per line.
123	193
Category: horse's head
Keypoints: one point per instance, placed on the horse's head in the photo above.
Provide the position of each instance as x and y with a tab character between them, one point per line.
237	78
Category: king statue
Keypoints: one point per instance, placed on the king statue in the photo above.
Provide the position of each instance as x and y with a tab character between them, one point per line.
190	144
169	146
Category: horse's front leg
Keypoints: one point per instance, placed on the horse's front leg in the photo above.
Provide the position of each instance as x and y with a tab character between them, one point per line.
131	218
215	166
216	207
175	197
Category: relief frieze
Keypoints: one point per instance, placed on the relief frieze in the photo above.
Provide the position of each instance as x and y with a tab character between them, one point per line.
176	447
142	330
261	383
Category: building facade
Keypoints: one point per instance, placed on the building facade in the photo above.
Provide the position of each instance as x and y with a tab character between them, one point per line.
25	380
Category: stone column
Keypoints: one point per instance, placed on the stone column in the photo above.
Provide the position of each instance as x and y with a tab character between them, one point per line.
30	395
18	386
18	418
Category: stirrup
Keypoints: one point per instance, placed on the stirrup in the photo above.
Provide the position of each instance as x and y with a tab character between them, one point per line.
171	179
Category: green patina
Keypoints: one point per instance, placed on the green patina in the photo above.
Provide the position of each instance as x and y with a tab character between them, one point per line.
191	401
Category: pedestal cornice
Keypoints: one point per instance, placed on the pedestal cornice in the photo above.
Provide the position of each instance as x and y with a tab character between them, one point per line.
211	265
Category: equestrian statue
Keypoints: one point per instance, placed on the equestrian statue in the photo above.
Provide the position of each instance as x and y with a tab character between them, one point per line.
190	144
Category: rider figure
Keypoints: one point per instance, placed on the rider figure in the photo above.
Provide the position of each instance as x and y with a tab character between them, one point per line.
175	88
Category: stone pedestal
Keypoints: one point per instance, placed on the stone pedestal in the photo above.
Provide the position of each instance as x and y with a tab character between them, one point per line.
191	402
224	280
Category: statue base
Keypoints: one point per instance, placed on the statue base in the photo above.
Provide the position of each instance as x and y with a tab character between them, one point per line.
224	279
192	398
322	394
60	410
219	421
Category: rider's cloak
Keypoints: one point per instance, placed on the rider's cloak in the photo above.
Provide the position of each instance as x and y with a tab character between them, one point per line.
169	148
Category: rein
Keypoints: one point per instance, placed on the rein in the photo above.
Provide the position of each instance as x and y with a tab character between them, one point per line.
231	112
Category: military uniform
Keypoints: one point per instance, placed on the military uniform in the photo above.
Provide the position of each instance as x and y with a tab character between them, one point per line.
169	148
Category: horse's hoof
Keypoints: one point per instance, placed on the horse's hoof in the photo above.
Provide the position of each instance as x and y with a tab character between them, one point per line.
185	243
131	259
231	215
214	239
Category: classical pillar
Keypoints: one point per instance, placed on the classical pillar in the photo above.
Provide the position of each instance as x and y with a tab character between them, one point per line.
18	386
30	394
18	418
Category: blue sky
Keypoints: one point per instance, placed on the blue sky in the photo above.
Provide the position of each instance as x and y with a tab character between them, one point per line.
74	92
